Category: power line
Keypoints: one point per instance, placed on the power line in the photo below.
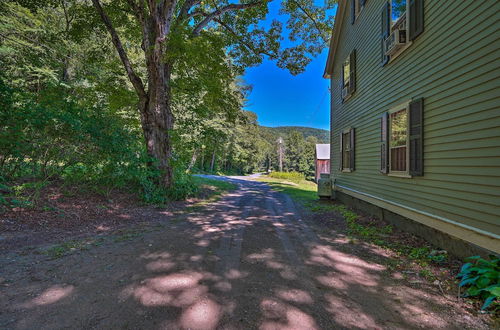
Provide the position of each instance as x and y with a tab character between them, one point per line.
318	107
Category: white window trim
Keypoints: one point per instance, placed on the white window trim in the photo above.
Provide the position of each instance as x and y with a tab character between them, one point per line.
343	69
399	52
408	42
348	96
399	174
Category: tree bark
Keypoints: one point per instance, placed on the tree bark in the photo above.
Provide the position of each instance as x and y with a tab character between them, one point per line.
193	160
212	163
155	18
156	116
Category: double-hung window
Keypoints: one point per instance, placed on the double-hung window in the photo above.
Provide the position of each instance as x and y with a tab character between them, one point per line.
398	141
347	150
349	76
401	22
401	150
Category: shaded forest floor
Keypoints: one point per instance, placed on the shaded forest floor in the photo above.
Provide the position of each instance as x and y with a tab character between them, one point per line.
58	212
252	258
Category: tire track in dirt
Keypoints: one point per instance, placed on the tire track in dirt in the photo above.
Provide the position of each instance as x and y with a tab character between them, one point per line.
212	223
279	223
229	251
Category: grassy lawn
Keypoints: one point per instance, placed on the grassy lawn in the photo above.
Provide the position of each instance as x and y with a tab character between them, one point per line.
300	190
212	189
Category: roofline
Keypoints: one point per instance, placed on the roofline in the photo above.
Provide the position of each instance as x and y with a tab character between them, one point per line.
335	36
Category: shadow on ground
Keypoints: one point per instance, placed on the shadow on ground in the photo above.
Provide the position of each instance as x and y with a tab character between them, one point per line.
249	261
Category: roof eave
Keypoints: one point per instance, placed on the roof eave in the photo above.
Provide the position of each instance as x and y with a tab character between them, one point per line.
335	36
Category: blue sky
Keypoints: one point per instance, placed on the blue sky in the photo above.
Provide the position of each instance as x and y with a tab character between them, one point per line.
281	99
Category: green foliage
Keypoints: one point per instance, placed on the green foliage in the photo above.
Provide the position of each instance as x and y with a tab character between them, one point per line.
482	279
291	176
184	185
68	114
65	248
426	253
54	136
299	154
303	191
217	187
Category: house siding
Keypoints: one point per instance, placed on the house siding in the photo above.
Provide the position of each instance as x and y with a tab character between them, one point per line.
455	66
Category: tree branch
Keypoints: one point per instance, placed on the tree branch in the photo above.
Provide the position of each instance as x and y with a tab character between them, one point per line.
188	4
167	14
312	19
133	77
196	13
216	13
242	41
137	9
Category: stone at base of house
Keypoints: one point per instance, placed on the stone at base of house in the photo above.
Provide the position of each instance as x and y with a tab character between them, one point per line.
454	246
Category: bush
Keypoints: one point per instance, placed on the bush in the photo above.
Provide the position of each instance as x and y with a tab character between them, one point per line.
482	279
184	185
49	136
291	176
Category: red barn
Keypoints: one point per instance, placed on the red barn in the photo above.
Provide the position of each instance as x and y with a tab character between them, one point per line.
322	159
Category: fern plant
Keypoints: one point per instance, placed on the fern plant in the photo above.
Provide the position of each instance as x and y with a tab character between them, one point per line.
482	279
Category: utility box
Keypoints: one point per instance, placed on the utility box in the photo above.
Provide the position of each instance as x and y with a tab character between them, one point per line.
324	186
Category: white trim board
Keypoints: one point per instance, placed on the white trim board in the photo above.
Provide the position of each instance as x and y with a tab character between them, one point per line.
482	238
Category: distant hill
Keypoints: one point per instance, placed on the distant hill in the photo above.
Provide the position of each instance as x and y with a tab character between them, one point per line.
322	135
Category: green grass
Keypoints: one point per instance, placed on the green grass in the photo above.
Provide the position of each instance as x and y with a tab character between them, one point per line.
302	190
210	190
128	235
213	186
65	248
290	176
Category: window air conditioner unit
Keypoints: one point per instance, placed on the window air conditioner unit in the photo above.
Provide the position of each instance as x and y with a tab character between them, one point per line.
395	41
345	92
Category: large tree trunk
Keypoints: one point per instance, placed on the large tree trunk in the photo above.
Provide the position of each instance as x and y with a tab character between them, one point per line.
154	103
155	19
157	119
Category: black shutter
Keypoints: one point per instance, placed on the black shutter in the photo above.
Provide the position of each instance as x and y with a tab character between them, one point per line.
416	138
385	27
352	73
384	146
351	152
416	18
353	11
342	82
341	152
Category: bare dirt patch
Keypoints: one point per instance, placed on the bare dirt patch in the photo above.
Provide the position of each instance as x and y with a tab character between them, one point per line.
61	214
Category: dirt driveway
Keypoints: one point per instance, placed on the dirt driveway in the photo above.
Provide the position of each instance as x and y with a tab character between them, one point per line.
248	261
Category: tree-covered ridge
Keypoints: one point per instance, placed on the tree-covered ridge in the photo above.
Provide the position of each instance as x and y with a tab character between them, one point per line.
322	135
246	147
